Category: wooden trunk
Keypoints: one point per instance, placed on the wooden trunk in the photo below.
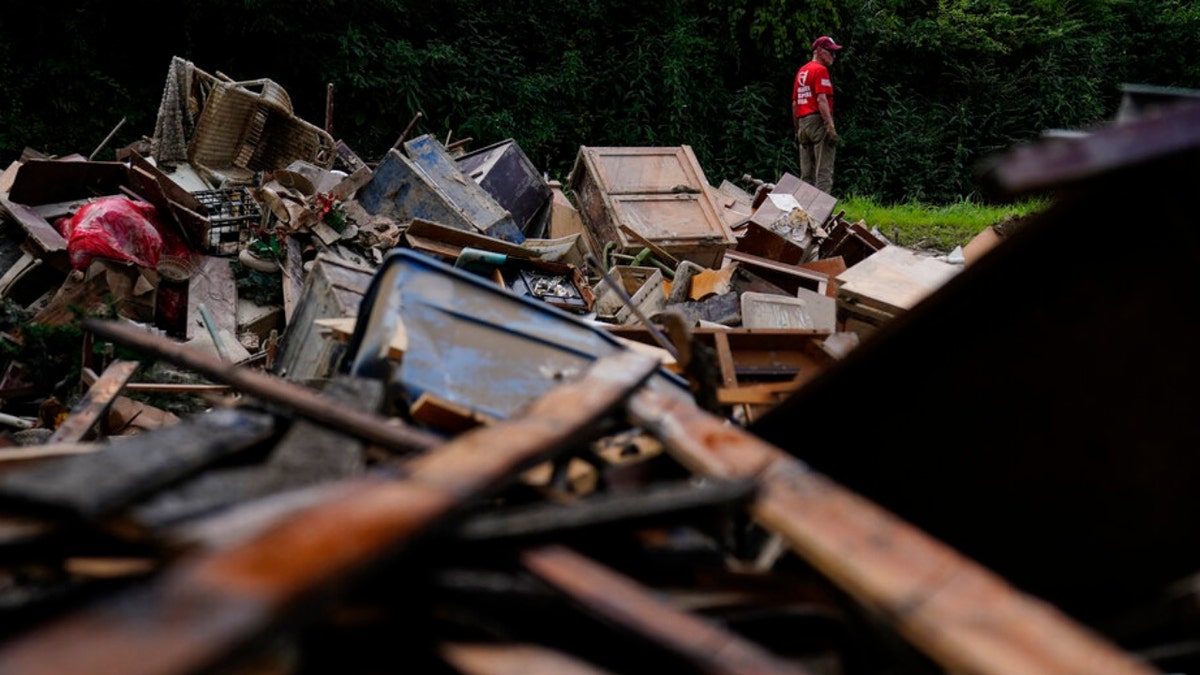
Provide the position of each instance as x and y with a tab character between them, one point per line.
660	194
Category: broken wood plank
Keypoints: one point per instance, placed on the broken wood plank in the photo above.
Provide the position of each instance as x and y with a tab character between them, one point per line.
960	614
620	600
658	251
787	277
40	232
88	377
212	604
97	483
388	433
94	291
94	403
894	279
670	503
293	277
34	452
520	659
23	266
42	181
438	413
758	394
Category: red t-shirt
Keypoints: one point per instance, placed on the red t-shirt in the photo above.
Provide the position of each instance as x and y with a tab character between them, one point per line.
811	79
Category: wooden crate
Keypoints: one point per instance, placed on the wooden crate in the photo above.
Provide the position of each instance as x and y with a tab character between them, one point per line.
333	289
660	194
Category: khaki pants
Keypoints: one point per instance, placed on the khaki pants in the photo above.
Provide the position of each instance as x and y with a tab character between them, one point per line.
817	153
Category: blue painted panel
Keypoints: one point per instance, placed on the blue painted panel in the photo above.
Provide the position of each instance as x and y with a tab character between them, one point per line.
472	342
476	204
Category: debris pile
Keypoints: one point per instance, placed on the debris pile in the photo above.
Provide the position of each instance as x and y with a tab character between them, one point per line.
457	417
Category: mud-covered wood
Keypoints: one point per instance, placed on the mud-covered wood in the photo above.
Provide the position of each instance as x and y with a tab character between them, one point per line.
961	615
622	601
206	608
654	506
305	455
98	483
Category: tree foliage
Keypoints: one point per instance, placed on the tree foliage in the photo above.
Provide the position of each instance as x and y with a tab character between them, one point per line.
925	88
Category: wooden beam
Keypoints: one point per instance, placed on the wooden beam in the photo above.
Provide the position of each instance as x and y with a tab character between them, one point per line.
94	403
621	601
963	616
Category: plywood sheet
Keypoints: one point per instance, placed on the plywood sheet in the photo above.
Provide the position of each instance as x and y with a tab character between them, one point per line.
894	278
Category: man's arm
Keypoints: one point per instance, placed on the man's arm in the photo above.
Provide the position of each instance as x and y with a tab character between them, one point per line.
827	116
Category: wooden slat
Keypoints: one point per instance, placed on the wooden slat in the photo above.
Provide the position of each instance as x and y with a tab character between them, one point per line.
293	277
519	659
960	614
620	600
207	607
41	233
389	434
94	403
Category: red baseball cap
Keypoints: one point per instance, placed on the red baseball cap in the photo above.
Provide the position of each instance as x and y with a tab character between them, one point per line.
826	42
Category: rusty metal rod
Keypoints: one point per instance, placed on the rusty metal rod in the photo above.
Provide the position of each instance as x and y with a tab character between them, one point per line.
616	287
407	129
385	432
107	139
329	108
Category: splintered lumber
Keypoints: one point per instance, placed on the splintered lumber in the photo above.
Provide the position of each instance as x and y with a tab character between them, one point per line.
963	616
620	600
387	433
201	611
44	238
671	503
94	403
97	483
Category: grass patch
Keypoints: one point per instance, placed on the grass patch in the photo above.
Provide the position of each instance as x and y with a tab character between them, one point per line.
940	228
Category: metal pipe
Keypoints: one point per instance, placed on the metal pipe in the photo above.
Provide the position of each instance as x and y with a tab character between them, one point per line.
616	287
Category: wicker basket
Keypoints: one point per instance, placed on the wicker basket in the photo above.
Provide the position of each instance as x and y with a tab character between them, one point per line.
248	126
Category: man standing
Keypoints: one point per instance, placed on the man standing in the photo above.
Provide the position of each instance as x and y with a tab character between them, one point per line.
812	110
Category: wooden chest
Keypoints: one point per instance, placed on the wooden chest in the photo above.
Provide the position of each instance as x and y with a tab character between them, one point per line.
658	194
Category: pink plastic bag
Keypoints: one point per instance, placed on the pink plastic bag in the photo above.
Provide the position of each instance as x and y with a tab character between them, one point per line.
113	227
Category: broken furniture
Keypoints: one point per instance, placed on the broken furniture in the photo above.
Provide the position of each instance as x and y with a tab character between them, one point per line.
885	284
657	194
852	242
249	126
642	285
333	289
471	343
758	367
278	576
791	209
508	175
425	183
